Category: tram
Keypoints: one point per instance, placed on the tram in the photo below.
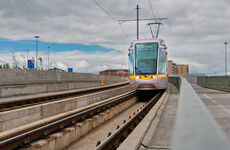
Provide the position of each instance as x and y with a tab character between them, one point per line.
148	64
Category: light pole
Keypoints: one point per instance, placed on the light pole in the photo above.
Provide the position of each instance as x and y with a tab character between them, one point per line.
48	57
24	65
67	64
36	37
225	43
138	22
27	58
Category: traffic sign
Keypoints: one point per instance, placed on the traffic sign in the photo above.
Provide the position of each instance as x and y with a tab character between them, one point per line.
30	64
70	69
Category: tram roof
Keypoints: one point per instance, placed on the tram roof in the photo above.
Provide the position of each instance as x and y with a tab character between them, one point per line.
146	40
160	41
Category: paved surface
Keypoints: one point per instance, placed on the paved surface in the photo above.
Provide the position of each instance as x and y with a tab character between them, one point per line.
161	138
218	103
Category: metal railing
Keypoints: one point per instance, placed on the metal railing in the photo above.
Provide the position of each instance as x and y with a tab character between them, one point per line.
195	127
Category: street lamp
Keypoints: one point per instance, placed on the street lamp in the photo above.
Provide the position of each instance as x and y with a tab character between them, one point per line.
36	37
225	43
27	58
48	56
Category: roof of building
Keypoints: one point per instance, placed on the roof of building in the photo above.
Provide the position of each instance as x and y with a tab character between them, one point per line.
114	70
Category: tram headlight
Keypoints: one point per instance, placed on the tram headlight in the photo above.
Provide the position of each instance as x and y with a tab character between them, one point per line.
138	77
152	77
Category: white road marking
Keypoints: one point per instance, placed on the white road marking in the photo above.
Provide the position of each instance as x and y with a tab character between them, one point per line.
214	101
221	106
207	96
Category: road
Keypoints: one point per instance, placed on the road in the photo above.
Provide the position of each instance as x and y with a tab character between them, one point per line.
218	103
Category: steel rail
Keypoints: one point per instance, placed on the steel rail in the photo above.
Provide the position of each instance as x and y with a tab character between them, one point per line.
33	100
25	137
115	139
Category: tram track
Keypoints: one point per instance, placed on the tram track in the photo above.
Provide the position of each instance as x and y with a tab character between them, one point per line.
115	139
48	128
25	135
17	102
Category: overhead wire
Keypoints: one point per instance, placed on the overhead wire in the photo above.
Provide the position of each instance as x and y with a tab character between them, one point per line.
151	30
122	22
124	32
129	14
126	16
113	19
151	7
105	11
145	11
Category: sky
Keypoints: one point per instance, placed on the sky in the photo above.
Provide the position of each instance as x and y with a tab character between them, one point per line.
82	36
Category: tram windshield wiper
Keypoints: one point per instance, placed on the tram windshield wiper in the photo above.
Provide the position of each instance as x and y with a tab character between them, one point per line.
139	71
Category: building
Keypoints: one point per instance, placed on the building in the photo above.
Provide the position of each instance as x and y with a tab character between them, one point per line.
174	69
170	62
182	69
115	72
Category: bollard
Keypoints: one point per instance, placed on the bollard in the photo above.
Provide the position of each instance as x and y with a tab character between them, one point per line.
102	81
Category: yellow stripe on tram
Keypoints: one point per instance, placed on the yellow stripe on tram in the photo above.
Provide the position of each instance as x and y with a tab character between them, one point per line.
149	77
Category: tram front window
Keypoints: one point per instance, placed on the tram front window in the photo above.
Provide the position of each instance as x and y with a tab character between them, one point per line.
146	58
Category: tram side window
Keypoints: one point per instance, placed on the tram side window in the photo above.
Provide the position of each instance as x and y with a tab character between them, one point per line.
131	67
163	63
131	72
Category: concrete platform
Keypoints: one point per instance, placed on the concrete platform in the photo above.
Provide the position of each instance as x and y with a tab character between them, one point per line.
218	103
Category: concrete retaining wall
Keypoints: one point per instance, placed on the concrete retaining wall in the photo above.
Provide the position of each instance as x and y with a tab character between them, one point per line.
22	77
215	82
60	140
191	79
15	82
15	118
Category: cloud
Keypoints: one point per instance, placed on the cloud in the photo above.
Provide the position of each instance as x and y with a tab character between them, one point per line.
78	60
194	32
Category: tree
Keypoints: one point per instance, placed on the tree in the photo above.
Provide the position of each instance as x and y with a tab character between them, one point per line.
6	65
15	62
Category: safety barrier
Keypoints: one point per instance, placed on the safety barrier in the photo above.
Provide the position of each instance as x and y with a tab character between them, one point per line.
214	82
195	127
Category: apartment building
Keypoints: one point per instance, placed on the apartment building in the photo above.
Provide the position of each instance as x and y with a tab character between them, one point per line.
180	69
